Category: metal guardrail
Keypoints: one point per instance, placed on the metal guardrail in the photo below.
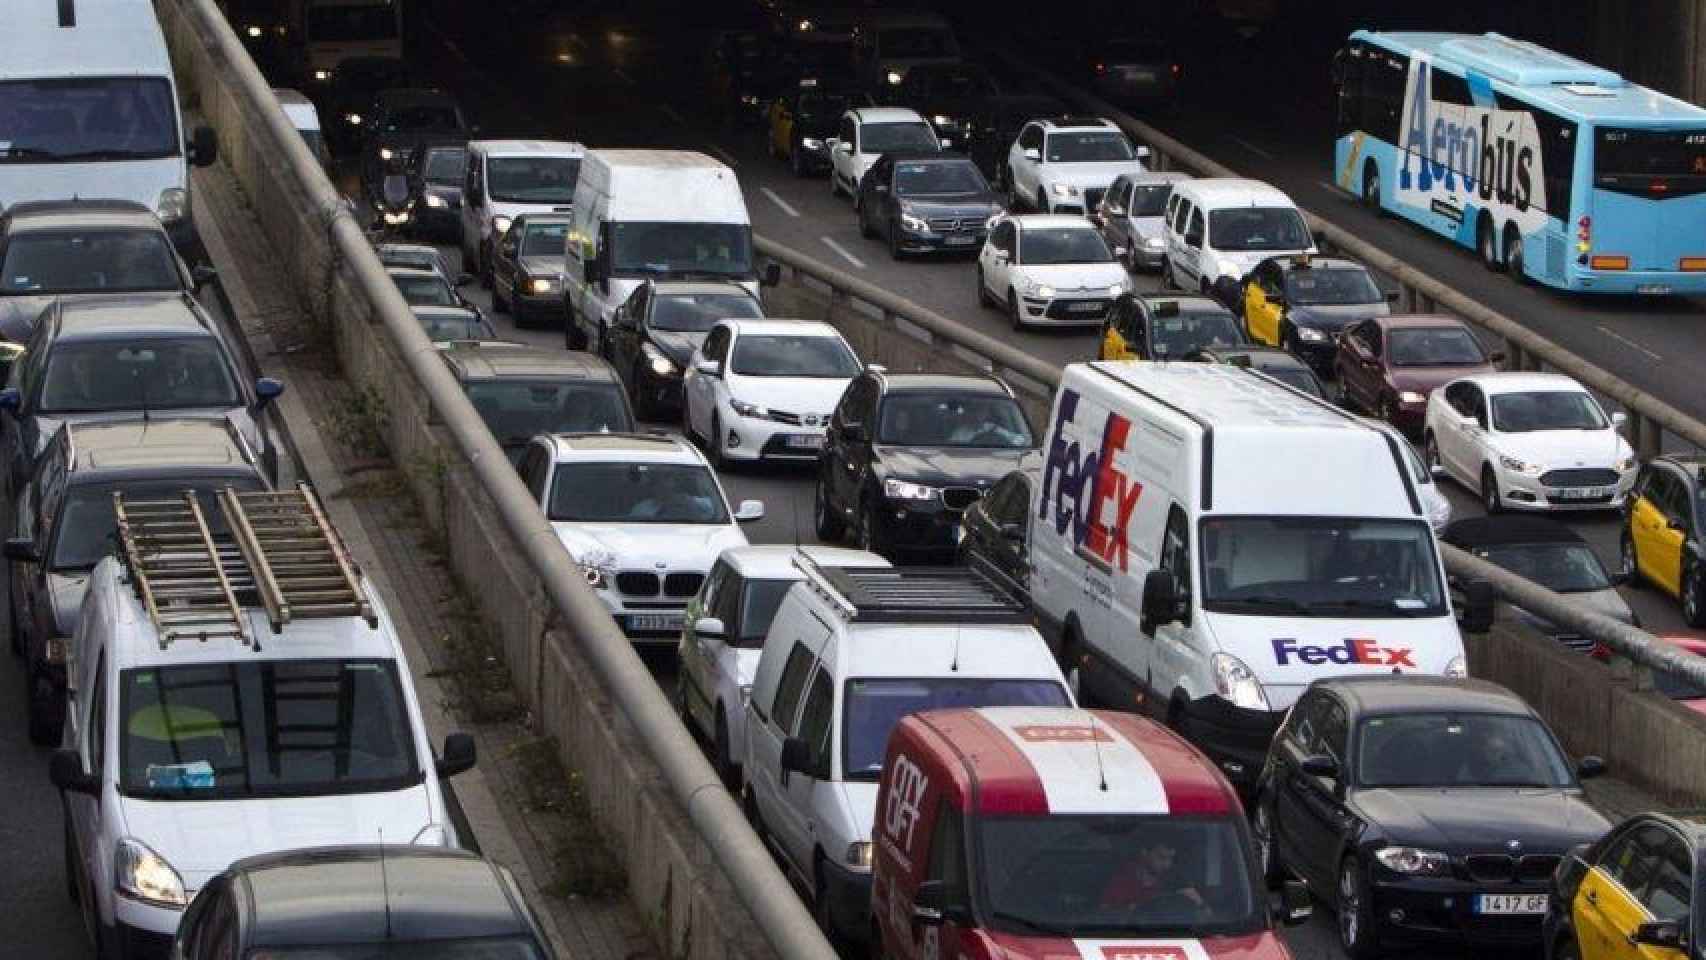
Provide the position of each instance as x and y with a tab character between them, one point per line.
781	916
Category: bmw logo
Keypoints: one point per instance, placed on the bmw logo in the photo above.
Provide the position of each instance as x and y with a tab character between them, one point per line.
1514	846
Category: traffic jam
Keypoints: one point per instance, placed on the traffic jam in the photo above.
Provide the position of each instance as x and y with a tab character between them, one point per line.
1124	682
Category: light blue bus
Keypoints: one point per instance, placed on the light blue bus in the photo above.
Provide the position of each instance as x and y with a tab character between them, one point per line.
1559	171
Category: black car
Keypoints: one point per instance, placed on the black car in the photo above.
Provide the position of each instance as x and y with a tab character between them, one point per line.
948	95
381	900
1551	554
653	335
435	184
1279	364
1302	303
802	120
1425	809
994	532
1634	891
995	125
906	454
926	203
401	123
521	391
527	269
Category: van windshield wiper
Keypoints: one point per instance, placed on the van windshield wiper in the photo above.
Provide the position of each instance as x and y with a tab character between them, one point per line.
1388	606
1267	602
1035	926
113	154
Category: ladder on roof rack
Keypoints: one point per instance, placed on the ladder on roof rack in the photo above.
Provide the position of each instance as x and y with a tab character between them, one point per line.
301	569
178	568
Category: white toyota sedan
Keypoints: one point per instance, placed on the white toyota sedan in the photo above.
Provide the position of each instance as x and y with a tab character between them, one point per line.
764	389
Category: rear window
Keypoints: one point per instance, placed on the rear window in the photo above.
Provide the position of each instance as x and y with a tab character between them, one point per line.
1653	163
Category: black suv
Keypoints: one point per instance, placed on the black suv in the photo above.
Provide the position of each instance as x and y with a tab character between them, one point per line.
521	391
63	525
906	454
652	336
927	203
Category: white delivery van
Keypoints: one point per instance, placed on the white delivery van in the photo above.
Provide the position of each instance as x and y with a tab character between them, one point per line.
1217	229
89	108
299	110
651	215
1206	543
505	179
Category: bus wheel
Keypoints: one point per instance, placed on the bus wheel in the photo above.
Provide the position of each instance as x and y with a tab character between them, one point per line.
1487	243
1371	186
1513	253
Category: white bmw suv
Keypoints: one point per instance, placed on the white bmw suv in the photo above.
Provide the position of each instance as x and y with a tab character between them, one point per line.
1065	164
642	514
764	389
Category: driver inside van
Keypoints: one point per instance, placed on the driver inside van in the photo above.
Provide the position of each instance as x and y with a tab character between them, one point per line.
1146	878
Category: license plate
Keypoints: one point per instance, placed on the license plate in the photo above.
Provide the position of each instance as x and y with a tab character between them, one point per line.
1510	904
655	622
1580	493
1655	289
805	441
1083	307
1144	76
962	240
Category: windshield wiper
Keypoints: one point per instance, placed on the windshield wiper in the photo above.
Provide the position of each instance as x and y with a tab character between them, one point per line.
1384	606
1035	926
106	155
22	152
1268	602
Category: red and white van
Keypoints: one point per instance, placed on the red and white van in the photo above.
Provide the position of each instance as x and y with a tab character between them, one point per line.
1013	833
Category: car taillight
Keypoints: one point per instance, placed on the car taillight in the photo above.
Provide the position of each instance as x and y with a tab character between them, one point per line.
1584	234
1177	69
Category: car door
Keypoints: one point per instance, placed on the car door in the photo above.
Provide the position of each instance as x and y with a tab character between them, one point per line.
1167	650
1608	907
504	256
698	652
1291	746
810	796
1178	220
1136	326
996	531
1262	312
1455	436
1113	345
1666	896
1023	170
627	331
845	153
535	471
1663	524
1359	367
472	201
995	259
844	442
778	722
1320	817
1192	276
698	387
875	197
89	736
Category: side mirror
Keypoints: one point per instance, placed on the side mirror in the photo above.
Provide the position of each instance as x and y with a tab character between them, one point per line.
1013	531
1617	579
22	549
1120	252
1664	934
1293	906
463	279
797	757
1320	765
708	627
1143	152
1496	357
853	433
1032	154
204	147
1160	600
10	400
266	391
708	368
65	769
772	275
929	904
1619	418
458	756
203	274
1391	296
749	511
1589	767
945	143
1478	602
592	270
1675	524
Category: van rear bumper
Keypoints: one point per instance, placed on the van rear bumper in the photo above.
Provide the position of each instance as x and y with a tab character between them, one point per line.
1236	739
849	893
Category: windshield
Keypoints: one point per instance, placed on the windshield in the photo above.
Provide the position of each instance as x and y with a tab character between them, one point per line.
316	144
758	608
904	137
544	240
1046	245
354	22
1257	228
874	707
1182	333
1150	201
424	290
953	420
699	312
783	355
507	948
446	166
533	179
1326	286
825	105
154	373
938	178
636	493
647	247
89	261
1119	876
1320	567
259	728
917	43
1458	750
455	325
1434	347
84	532
1098	147
1296	377
518	410
1540	410
421	117
411	259
1561	567
87	118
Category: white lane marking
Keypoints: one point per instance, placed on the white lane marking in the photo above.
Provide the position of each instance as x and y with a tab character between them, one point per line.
672	113
838	248
1626	341
1333	188
728	157
1258	151
790	211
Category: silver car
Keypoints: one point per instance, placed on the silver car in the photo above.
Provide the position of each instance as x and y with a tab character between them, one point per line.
1130	216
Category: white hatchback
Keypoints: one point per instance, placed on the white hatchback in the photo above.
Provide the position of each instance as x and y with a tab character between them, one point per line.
764	389
1049	269
1528	441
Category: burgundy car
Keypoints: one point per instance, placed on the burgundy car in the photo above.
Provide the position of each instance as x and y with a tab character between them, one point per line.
1388	365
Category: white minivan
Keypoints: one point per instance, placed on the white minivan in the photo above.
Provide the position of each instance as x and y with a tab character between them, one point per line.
505	179
1205	543
90	109
1218	229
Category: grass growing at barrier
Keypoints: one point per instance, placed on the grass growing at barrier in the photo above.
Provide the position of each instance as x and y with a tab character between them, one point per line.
583	865
360	421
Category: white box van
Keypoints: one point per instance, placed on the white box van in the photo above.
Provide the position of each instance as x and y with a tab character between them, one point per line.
300	111
651	215
1220	228
1205	543
505	179
90	110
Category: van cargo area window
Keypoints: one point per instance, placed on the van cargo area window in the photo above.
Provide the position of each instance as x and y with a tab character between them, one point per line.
1342	567
87	119
872	708
658	248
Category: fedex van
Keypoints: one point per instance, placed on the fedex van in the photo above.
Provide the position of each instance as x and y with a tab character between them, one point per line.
1024	833
1204	543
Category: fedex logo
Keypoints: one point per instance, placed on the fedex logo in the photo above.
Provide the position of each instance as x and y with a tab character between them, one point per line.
906	800
1362	651
1082	488
1144	953
1062	734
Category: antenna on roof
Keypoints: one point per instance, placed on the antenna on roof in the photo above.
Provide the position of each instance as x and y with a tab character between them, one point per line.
955	666
1096	744
384	883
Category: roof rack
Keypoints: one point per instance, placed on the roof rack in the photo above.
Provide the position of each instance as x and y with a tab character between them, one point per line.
301	569
178	569
911	594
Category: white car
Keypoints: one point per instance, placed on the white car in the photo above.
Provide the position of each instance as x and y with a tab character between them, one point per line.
1064	165
867	133
1528	441
1049	269
724	634
764	389
643	515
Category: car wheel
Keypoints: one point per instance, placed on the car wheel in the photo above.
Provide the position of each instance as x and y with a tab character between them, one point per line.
644	409
1042	201
983	298
1430	454
1015	313
866	537
796	161
1371	185
831	526
1490	492
1486	242
1267	850
1693	585
1386	411
895	252
1015	202
1356	933
1567	948
1627	560
1513	253
727	768
1168	281
47	712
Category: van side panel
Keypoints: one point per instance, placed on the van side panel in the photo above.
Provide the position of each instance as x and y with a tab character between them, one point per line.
921	770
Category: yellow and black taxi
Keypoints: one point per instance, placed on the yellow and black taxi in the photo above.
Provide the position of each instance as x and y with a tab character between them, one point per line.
1664	521
802	120
1171	327
1630	895
1301	303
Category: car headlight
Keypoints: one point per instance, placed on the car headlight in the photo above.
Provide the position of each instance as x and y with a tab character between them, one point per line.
254	32
353	119
1414	861
1311	335
915	224
907	490
386	153
1519	466
141	874
1457	668
859	855
542	285
433	835
399	217
1237	683
1042	290
941	119
173	205
661	365
1115	289
436	202
322	75
894	78
1411	398
749	409
1153	243
811	143
1063	190
500	224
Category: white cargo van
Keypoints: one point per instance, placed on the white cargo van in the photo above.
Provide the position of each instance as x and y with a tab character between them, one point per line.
651	215
505	179
1206	543
89	108
1218	229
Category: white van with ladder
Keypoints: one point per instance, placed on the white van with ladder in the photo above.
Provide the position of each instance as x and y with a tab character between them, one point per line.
232	697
